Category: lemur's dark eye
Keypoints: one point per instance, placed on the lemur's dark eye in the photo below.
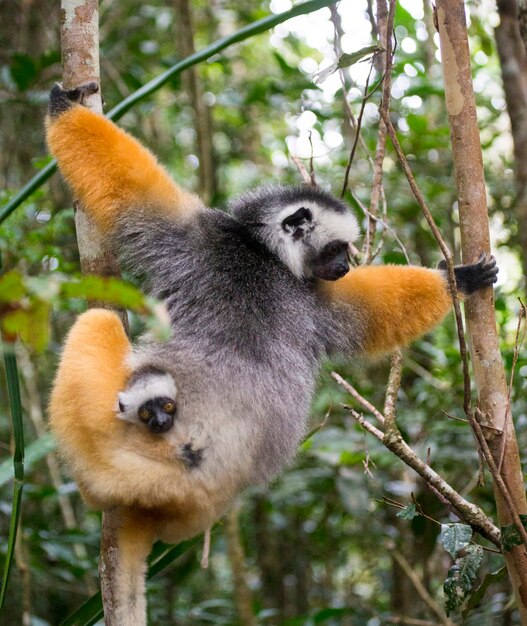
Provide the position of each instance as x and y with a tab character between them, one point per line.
144	414
334	247
297	219
169	407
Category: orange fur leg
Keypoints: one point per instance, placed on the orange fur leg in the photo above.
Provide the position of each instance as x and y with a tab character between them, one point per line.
117	173
399	303
135	537
114	462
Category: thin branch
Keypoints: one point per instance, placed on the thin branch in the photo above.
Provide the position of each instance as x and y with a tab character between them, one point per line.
500	483
392	389
358	127
420	588
302	170
361	400
385	21
467	511
384	224
518	341
364	423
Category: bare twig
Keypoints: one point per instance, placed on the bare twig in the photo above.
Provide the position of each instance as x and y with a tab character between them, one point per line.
385	28
302	170
392	389
360	399
420	588
358	127
518	341
206	550
316	428
384	224
359	418
467	511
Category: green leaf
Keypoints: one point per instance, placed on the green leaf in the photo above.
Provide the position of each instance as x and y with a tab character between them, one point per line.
477	596
111	290
346	60
30	324
455	537
461	577
409	512
23	70
12	287
510	536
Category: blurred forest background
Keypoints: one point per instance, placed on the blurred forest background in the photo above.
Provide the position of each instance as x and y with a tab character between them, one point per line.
324	544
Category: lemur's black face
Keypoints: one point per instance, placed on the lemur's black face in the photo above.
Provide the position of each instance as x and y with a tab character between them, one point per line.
332	262
157	414
329	263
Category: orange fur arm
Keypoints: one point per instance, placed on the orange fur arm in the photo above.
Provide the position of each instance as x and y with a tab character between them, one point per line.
109	171
397	303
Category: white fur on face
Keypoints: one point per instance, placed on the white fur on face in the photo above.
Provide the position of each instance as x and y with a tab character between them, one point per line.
326	226
145	388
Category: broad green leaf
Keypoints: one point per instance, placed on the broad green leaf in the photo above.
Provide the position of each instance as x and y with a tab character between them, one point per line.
409	512
454	537
12	287
31	325
461	577
111	290
477	596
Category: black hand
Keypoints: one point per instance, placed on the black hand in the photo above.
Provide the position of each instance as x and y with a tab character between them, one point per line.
470	278
61	100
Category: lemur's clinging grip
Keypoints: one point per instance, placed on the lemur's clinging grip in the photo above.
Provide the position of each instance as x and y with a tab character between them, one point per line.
256	296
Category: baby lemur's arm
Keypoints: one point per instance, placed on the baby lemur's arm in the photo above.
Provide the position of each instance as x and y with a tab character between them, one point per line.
108	170
400	303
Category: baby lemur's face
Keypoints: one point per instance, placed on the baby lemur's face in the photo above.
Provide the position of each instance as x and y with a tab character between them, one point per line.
149	399
157	414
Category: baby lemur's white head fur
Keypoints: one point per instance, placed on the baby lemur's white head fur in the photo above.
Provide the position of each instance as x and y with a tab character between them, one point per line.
150	399
308	229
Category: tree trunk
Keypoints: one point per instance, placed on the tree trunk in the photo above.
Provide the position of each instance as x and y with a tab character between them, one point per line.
481	324
80	62
513	61
202	117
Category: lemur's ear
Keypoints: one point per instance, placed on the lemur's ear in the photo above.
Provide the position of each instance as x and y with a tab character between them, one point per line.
297	223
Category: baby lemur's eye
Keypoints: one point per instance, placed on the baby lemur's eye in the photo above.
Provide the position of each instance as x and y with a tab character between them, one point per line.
144	414
169	407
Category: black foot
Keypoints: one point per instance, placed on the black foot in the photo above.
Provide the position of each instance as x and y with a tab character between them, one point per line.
470	278
192	458
61	100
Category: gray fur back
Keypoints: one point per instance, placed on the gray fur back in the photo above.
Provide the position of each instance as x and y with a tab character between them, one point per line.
247	337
